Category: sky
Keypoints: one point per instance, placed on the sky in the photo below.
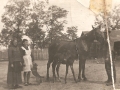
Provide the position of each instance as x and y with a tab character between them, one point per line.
79	13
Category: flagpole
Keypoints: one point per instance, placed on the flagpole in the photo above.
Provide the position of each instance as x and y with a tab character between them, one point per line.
109	46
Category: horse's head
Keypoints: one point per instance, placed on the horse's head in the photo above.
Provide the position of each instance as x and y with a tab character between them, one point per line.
85	41
95	35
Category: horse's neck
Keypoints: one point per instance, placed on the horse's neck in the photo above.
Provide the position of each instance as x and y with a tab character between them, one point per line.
85	44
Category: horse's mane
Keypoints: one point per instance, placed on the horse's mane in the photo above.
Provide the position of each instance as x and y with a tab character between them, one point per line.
64	41
84	37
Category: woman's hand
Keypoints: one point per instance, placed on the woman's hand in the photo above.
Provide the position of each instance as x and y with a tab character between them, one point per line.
11	65
31	66
24	65
33	62
21	63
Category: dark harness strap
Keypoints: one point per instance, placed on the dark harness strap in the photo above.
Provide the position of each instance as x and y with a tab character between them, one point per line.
77	50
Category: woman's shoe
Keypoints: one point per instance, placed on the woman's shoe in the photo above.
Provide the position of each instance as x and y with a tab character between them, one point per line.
12	87
17	86
29	83
26	84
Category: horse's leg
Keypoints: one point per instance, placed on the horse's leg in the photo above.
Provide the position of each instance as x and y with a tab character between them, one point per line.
83	70
67	66
80	67
53	70
57	70
71	66
48	66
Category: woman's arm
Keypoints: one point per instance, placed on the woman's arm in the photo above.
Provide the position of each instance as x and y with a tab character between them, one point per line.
32	55
22	54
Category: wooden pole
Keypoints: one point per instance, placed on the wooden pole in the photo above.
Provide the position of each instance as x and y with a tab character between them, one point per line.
109	46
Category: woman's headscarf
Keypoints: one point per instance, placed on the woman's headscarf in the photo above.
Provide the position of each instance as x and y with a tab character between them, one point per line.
24	41
12	42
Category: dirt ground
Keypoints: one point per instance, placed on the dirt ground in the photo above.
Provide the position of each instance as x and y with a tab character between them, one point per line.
95	73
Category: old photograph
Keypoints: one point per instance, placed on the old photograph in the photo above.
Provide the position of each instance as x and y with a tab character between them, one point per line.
60	45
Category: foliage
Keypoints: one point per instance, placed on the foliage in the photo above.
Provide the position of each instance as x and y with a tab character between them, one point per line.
56	22
113	19
71	32
41	23
35	26
14	19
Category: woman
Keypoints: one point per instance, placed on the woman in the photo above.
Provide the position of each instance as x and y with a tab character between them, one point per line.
28	59
15	65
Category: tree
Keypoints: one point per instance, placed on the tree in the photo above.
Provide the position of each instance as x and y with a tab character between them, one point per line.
71	32
15	18
113	19
35	33
22	17
55	24
35	27
5	37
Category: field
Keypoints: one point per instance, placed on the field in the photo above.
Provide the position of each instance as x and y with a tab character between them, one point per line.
95	73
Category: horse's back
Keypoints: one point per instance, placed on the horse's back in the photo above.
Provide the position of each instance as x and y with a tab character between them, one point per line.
60	47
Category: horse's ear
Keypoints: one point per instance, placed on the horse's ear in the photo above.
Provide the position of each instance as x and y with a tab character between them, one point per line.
92	27
99	26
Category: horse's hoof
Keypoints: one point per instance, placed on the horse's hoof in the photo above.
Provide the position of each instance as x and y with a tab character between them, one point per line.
54	80
38	83
41	76
59	80
85	79
79	80
41	81
47	80
75	80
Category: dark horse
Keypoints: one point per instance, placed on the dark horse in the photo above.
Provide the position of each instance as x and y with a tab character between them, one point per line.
66	52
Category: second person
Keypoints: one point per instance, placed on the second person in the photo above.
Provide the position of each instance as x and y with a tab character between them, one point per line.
28	61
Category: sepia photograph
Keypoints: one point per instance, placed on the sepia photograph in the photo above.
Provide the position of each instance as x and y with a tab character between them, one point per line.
60	45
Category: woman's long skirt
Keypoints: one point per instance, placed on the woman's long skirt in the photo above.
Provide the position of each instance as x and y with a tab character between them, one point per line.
14	73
